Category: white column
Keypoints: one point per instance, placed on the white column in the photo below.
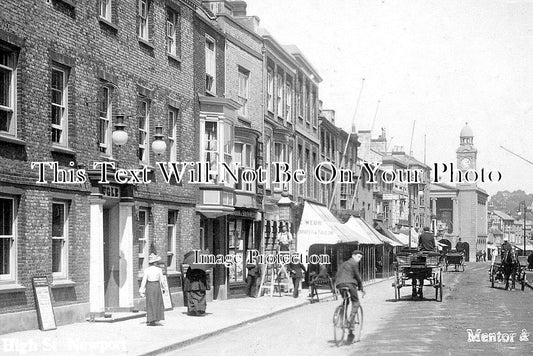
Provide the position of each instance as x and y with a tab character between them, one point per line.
96	264
126	277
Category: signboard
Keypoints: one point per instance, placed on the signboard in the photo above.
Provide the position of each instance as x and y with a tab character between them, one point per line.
110	191
43	303
167	301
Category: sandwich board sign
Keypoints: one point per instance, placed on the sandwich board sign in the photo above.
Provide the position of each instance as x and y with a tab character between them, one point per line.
43	303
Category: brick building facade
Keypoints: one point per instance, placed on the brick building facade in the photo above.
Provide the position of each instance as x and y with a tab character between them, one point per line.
70	70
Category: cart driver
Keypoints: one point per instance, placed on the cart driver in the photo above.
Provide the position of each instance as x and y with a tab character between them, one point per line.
426	242
348	276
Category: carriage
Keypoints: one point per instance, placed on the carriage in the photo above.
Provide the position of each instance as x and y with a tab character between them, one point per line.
497	272
455	258
424	265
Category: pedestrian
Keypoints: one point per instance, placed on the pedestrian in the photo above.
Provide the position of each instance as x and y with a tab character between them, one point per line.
254	272
296	271
153	285
348	276
284	239
195	286
484	256
530	260
459	246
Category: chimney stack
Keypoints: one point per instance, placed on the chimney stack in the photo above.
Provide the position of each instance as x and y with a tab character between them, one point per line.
239	8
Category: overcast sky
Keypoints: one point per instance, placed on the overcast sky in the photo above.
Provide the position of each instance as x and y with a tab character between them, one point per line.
441	63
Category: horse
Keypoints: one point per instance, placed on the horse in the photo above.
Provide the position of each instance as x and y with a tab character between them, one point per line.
511	266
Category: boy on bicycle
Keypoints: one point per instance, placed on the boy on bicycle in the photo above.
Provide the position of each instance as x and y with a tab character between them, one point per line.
348	276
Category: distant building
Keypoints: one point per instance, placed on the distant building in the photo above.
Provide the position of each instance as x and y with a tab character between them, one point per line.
462	208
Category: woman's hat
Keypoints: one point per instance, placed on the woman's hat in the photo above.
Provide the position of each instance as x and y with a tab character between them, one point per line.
153	258
357	252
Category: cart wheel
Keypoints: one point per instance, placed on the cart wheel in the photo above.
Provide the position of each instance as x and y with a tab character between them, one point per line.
396	286
492	276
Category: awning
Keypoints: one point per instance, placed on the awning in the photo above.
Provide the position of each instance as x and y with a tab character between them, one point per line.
319	226
370	235
520	247
385	232
404	239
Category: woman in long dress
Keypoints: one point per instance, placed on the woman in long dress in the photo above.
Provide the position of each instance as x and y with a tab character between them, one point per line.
151	285
195	287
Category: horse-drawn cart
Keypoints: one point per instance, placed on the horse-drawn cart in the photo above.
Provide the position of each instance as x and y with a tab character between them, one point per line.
418	266
501	272
455	258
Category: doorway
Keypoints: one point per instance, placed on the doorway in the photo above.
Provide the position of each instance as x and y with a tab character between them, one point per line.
111	256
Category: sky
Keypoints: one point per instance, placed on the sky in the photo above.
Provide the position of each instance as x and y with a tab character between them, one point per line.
437	64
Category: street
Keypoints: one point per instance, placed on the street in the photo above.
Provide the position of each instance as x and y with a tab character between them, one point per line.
407	327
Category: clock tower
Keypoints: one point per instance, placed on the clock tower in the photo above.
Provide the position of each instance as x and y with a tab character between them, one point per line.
466	153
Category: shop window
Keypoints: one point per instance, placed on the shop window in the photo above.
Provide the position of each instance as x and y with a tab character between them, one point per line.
171	239
240	232
8	92
59	239
105	122
144	129
210	65
59	103
7	239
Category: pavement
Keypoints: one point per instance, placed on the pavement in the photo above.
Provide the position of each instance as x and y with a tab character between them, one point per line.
134	337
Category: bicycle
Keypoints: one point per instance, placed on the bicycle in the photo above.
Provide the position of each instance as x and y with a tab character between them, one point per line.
341	321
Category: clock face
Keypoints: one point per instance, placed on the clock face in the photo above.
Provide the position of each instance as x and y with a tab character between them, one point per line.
465	163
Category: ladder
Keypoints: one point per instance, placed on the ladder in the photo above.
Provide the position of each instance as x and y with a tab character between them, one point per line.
274	275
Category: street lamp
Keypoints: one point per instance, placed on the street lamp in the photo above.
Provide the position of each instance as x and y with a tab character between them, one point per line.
119	136
159	146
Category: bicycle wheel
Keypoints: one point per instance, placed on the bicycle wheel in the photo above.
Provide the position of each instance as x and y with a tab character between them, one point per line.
338	325
358	324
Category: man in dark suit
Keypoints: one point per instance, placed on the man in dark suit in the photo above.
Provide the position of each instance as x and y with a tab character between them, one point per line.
426	241
348	276
296	270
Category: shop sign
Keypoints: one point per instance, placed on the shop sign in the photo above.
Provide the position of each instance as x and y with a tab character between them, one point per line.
110	191
43	303
246	213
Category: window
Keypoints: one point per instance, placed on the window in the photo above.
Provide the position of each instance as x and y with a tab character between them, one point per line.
8	92
216	142
280	155
172	133
171	239
105	124
105	9
210	65
143	131
59	239
172	32
242	95
59	106
142	20
279	96
270	91
314	117
288	101
142	237
245	158
7	239
306	103
300	98
268	148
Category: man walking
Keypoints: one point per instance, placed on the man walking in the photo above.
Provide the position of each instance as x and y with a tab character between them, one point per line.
296	271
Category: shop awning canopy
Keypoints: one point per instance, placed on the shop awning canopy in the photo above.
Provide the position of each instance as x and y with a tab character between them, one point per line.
319	226
529	247
389	235
371	236
404	239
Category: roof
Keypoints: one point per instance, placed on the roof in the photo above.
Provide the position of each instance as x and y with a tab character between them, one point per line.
502	215
371	236
466	131
385	232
